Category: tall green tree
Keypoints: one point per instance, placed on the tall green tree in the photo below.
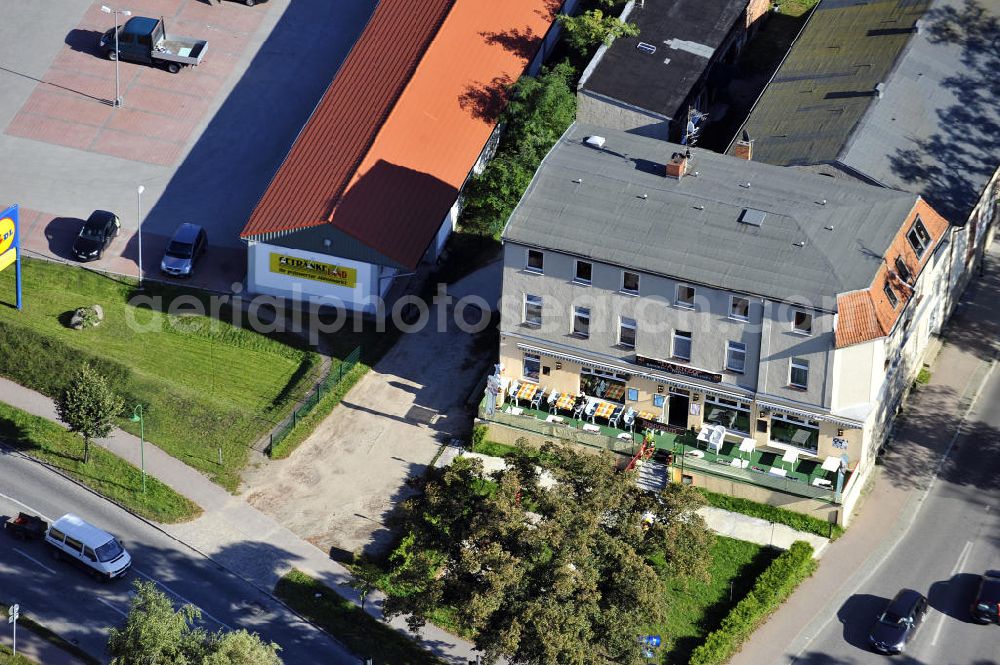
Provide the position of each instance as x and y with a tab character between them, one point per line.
154	633
592	28
568	583
89	406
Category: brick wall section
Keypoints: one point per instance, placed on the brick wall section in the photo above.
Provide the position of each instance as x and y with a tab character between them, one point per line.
868	314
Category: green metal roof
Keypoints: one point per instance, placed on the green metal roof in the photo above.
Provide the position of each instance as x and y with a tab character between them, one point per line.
829	78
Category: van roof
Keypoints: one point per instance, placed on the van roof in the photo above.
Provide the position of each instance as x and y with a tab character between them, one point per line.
78	529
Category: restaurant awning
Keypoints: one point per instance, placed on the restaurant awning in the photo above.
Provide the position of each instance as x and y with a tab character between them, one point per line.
808	415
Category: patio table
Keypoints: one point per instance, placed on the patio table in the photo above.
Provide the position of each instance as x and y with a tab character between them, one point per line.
566	402
604	410
647	415
527	391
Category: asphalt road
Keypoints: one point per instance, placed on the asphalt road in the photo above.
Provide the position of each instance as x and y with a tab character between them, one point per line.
67	600
955	537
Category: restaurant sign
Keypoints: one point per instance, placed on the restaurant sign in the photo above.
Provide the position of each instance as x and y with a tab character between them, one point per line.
674	368
294	266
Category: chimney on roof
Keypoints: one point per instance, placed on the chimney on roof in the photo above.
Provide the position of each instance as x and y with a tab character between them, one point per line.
744	147
678	165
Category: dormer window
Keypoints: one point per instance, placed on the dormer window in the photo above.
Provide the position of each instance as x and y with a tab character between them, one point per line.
918	238
903	270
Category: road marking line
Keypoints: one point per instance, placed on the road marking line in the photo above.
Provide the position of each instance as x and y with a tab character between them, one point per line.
182	598
24	505
962	559
101	600
913	515
31	558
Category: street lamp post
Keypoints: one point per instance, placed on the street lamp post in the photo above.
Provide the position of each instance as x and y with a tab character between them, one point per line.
138	218
137	418
116	12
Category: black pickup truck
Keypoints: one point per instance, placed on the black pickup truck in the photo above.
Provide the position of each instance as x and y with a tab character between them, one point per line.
145	40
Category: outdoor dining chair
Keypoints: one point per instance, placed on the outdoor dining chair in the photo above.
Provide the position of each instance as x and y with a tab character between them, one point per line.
628	419
581	404
512	391
537	399
616	416
553	398
591	409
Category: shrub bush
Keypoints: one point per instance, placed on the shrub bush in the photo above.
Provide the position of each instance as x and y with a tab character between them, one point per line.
770	590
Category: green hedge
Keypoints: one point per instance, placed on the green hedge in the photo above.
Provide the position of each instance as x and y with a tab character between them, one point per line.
797	521
769	591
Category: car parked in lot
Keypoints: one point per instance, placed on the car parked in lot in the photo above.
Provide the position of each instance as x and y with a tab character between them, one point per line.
897	625
94	549
95	235
183	251
986	607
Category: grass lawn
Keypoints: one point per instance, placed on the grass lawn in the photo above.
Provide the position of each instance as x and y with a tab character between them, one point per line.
697	609
106	474
364	635
205	383
7	659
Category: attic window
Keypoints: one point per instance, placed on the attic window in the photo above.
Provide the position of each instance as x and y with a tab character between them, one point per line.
752	217
649	49
903	270
919	238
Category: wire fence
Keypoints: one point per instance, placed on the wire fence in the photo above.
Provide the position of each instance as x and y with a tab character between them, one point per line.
322	387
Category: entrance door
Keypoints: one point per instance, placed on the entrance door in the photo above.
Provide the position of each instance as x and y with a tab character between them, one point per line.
677	411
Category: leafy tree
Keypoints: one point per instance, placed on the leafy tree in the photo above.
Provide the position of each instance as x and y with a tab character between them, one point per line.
572	585
592	28
89	406
154	633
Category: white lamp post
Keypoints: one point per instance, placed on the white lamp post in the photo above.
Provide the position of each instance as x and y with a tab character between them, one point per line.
138	217
116	12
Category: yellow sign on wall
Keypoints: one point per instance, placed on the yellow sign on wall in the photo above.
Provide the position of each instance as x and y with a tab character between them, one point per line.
294	266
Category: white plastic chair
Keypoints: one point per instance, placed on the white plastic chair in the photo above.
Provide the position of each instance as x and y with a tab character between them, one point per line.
628	419
537	399
590	410
512	391
553	398
616	416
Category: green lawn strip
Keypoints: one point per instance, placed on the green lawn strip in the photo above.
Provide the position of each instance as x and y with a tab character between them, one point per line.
358	631
27	623
774	514
795	7
206	384
106	474
770	590
696	608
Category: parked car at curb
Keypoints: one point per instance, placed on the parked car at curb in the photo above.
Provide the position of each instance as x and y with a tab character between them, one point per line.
94	549
897	625
96	234
986	607
183	251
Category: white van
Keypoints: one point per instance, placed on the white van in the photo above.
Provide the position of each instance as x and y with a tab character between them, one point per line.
83	543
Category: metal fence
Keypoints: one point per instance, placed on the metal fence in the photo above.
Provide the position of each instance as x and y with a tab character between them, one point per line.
562	431
332	379
785	485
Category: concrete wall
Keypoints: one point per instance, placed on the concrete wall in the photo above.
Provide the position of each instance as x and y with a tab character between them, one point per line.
606	112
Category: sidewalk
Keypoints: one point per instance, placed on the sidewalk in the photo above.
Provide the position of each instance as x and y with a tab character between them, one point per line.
35	648
930	420
237	536
759	531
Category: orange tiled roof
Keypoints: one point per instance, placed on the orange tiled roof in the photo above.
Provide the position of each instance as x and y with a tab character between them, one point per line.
868	314
390	144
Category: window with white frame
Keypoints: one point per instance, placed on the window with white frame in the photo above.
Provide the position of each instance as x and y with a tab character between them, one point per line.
736	357
630	282
795	431
584	272
626	332
536	260
581	322
919	238
684	296
532	367
731	414
891	295
903	270
739	308
798	374
802	322
682	345
532	310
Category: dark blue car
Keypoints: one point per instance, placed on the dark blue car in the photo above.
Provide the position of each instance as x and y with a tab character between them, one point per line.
897	625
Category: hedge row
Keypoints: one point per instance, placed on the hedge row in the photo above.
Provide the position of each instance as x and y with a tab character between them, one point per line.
797	521
769	591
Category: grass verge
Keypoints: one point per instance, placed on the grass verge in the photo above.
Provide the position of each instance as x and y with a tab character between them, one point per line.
697	608
207	382
797	521
358	631
7	659
106	474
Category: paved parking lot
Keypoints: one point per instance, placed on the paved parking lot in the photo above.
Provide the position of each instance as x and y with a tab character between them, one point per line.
204	143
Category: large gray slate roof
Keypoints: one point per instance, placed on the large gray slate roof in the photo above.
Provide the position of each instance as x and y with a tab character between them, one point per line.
604	217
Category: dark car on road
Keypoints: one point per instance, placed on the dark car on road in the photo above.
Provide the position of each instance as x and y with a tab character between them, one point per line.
899	622
95	236
986	607
183	251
